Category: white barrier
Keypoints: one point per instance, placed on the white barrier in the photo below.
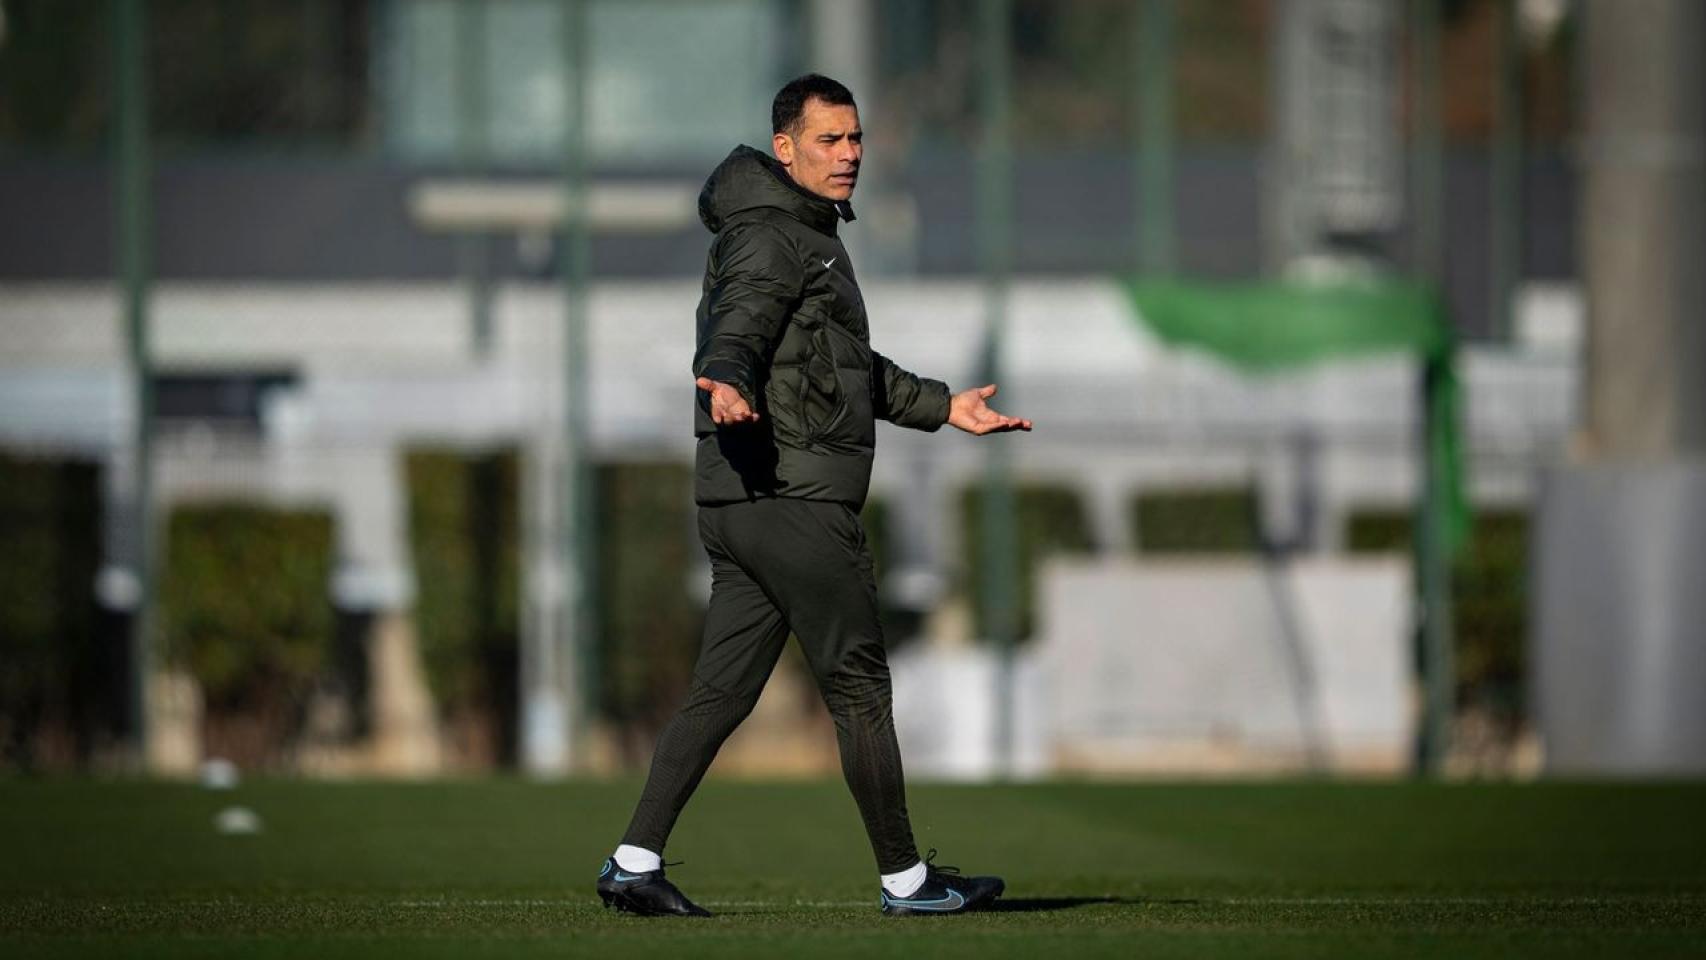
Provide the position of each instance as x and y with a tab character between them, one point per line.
1227	665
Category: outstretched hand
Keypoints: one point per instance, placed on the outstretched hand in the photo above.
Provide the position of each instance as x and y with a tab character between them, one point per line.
728	407
969	411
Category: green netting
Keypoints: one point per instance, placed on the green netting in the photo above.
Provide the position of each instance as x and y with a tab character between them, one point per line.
1268	327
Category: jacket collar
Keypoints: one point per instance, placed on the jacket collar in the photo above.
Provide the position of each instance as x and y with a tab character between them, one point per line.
748	179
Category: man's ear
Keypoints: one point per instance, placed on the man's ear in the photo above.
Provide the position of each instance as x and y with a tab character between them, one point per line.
782	146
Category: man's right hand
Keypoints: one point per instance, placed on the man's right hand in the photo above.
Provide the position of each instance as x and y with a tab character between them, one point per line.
728	407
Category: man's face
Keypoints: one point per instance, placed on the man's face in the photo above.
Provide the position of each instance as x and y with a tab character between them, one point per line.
824	155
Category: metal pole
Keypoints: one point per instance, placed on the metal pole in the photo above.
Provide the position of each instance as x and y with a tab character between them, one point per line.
473	106
578	635
1154	127
1642	236
316	68
1433	563
999	560
841	33
1427	171
1287	219
1507	174
134	225
550	715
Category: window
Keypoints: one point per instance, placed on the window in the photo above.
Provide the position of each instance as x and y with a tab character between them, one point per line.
480	82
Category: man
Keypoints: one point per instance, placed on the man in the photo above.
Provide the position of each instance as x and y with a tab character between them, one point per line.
789	392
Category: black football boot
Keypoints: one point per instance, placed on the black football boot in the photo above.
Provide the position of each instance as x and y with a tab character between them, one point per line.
645	894
944	890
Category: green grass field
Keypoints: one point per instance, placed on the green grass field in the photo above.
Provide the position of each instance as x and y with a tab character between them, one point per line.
505	869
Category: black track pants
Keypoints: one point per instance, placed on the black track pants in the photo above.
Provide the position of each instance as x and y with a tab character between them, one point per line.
779	565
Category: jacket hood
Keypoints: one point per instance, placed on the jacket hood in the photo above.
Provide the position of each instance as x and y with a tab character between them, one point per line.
748	179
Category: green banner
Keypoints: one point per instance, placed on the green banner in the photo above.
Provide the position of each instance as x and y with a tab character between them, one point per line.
1268	327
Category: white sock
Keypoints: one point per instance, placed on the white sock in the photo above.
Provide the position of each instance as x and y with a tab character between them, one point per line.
906	882
637	859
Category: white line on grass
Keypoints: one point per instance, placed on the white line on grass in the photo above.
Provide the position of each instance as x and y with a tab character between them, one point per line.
568	901
1444	901
1131	901
481	903
572	901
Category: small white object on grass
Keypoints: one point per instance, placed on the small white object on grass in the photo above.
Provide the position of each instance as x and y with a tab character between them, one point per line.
237	820
218	773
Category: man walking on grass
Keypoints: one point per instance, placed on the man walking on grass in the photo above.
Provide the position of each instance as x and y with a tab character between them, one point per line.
789	391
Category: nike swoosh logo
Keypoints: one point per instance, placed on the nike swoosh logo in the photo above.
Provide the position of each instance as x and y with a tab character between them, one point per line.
625	877
831	260
953	901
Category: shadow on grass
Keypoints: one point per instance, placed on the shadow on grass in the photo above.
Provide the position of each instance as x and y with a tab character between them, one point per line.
1041	904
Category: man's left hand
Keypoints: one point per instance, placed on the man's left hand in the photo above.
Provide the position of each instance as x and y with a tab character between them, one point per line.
728	407
970	411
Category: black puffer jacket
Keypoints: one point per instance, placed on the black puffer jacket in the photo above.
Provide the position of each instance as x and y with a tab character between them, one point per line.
781	320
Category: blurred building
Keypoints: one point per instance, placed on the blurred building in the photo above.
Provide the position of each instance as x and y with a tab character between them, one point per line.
313	320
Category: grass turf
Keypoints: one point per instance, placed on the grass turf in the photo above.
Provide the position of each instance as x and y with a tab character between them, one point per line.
505	869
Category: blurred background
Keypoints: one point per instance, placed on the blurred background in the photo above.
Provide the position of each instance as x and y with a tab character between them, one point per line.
345	349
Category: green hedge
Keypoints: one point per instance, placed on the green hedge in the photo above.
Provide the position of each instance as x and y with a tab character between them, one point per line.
1197	521
649	625
245	605
465	543
51	664
1051	520
1489	591
465	535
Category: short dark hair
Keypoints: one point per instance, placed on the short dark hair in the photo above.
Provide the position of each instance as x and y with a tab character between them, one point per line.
790	103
